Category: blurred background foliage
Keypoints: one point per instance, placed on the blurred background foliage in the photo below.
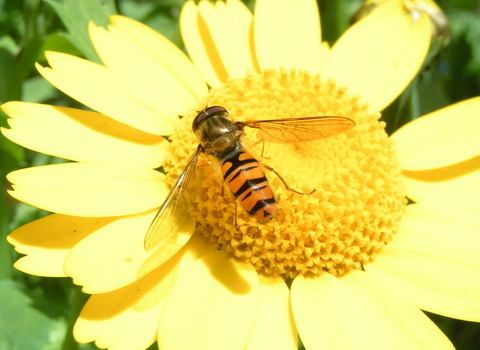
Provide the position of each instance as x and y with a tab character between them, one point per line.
39	313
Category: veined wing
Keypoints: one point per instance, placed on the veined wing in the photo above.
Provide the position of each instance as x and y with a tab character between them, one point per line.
291	130
174	211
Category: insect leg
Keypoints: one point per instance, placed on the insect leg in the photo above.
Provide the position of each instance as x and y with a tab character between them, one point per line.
230	198
263	147
235	217
285	183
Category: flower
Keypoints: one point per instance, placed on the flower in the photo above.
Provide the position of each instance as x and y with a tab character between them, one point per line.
440	26
359	262
439	21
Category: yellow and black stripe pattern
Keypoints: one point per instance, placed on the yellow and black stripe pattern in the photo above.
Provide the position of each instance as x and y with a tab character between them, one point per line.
246	179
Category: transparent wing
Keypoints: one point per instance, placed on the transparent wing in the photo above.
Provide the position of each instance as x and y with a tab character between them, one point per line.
174	210
293	130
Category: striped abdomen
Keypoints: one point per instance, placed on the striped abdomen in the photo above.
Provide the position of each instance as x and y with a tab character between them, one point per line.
246	179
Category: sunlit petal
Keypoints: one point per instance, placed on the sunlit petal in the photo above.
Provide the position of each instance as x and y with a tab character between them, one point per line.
111	325
46	242
161	91
445	213
442	138
287	34
127	318
328	315
200	45
274	326
403	322
164	52
380	55
456	184
352	312
81	135
198	312
230	25
324	52
434	260
89	189
118	248
107	92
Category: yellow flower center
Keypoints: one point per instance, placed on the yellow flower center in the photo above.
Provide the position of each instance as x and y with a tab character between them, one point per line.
359	198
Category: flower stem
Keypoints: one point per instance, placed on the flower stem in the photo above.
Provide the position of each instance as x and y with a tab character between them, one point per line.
404	109
5	248
78	301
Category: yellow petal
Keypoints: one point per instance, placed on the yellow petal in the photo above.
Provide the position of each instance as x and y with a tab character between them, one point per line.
456	184
160	88
328	315
171	244
112	329
324	52
434	261
212	306
445	213
353	312
89	189
81	135
47	241
442	138
118	248
274	326
287	34
379	55
398	313
230	26
110	320
200	46
164	52
107	92
127	318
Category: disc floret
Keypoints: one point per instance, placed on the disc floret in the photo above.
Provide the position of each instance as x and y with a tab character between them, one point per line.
359	198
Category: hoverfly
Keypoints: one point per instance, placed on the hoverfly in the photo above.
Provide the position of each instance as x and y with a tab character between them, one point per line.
220	137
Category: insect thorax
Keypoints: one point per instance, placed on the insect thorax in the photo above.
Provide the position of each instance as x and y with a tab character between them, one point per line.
216	133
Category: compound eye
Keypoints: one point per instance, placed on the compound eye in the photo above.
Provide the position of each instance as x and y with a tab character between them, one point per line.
215	110
207	113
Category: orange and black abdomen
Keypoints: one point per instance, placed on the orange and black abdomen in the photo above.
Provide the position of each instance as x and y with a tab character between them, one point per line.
246	179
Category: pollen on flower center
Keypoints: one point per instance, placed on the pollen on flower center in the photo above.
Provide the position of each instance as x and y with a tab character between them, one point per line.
358	200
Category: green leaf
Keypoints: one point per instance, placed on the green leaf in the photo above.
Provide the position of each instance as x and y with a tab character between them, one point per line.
36	89
16	64
161	16
8	50
22	326
6	253
57	41
11	154
167	26
25	61
466	24
76	15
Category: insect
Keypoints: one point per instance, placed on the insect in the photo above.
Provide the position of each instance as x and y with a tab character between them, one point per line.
242	173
